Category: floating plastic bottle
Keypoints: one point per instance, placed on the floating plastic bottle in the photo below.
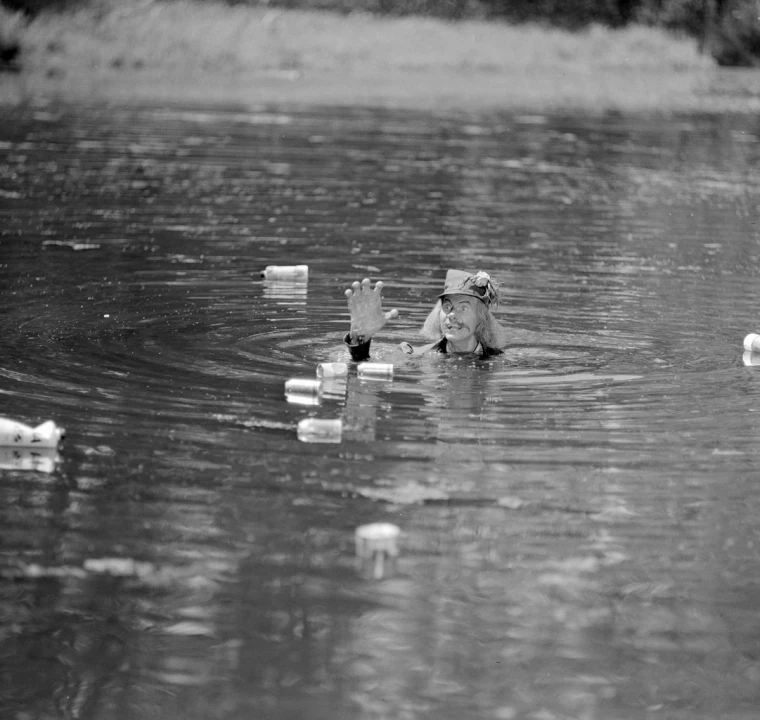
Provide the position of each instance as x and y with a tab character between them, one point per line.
377	549
286	293
40	459
332	369
375	371
752	342
317	430
16	434
292	273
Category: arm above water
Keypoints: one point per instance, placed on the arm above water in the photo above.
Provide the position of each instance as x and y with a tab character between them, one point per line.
367	316
359	350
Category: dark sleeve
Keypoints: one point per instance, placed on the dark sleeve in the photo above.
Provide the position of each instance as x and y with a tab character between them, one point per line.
358	352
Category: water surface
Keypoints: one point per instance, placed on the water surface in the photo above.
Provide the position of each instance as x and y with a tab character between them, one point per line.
579	517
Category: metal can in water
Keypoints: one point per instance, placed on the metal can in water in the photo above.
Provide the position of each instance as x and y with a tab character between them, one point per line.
375	371
303	386
332	369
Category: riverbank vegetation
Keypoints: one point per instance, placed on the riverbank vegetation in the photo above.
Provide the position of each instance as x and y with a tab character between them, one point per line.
216	50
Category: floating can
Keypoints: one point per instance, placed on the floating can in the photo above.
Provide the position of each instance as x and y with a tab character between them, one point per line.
332	369
752	342
16	434
295	293
319	430
303	386
377	549
375	371
334	388
293	273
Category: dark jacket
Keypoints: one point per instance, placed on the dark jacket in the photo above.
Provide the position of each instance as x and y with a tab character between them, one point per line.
361	352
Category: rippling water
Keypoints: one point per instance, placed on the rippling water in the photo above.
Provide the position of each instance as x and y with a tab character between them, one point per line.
579	518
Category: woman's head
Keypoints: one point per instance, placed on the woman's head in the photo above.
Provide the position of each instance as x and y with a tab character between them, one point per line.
464	310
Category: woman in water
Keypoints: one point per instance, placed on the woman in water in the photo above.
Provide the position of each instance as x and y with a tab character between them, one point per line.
461	322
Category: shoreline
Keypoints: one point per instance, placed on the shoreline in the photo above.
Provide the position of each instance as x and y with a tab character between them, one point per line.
185	52
637	94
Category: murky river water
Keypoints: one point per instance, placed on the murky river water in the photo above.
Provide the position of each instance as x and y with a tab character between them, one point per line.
579	518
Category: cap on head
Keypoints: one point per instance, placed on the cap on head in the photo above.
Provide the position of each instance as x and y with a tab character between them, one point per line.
478	285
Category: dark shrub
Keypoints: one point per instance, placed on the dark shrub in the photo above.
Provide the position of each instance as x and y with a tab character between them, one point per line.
34	7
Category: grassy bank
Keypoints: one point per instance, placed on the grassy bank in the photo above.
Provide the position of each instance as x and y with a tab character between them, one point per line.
194	51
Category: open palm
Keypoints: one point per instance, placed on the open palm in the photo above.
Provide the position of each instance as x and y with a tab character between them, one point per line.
366	308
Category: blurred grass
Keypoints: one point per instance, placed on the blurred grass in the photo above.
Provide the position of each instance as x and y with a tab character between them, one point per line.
212	46
214	36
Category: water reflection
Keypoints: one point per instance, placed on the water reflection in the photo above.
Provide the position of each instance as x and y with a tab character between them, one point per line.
577	516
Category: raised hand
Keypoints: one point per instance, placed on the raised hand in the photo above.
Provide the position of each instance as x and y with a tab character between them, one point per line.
365	306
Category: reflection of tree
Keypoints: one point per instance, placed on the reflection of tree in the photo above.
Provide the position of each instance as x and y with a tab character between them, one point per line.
73	659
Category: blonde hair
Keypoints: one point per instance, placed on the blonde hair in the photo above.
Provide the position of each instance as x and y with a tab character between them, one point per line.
489	331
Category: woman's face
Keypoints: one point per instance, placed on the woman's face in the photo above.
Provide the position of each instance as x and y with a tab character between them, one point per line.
459	320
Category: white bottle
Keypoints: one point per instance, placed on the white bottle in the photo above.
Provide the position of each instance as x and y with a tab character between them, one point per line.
375	371
292	273
317	430
332	369
377	549
38	459
752	342
16	434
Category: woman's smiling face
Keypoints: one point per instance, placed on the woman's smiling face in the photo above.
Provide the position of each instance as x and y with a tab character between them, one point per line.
459	320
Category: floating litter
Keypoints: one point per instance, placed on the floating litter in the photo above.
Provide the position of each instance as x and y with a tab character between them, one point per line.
752	343
41	459
751	358
298	399
295	293
332	369
303	386
303	391
375	371
293	273
16	434
318	430
120	567
334	388
377	549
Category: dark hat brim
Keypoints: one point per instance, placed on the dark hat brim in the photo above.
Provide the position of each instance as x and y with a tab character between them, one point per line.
455	291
